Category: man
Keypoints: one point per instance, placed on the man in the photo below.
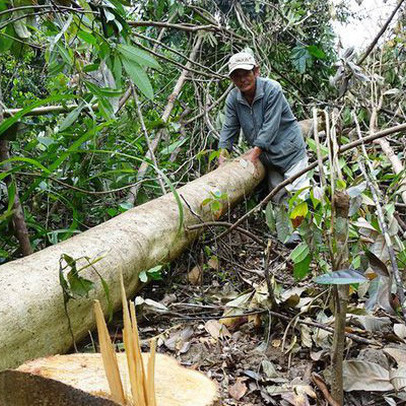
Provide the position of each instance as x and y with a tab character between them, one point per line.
258	107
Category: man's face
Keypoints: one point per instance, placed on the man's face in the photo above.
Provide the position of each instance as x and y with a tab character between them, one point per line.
245	79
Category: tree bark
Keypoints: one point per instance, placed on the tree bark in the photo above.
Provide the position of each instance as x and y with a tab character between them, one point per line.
32	317
341	205
19	225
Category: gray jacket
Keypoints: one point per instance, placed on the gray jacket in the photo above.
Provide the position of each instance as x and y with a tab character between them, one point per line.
268	124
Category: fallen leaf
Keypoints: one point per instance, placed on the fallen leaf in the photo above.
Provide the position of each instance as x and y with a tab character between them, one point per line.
179	341
398	377
213	263
372	323
233	322
276	343
195	276
398	354
216	329
305	336
366	376
269	369
239	389
400	330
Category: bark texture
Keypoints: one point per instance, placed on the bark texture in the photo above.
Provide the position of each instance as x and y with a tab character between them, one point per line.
32	318
341	205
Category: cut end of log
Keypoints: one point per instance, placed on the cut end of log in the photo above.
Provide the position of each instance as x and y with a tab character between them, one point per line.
174	384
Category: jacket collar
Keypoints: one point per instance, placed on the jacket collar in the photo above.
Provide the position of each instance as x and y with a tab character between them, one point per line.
259	92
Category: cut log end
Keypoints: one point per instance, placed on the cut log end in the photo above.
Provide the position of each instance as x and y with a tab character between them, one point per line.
174	384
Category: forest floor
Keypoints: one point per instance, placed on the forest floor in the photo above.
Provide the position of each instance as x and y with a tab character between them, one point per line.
266	357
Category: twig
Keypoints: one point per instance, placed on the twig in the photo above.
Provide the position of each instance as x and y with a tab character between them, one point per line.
88	192
319	155
161	44
146	135
183	27
226	224
179	65
380	33
214	104
352	336
316	378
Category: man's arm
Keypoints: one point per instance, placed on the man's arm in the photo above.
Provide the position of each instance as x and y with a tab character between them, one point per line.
230	130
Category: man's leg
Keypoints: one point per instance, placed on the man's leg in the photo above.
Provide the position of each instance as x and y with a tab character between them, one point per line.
274	178
301	182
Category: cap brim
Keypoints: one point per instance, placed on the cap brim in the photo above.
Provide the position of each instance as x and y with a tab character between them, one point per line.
244	66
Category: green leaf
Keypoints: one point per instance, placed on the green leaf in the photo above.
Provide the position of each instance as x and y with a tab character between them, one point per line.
214	155
341	185
341	277
270	218
87	37
137	55
301	269
300	210
300	57
5	41
143	277
139	77
91	67
317	52
206	201
11	191
71	117
299	253
155	273
170	148
79	286
312	145
283	226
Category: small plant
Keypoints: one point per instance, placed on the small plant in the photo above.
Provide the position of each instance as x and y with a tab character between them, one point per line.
154	274
216	202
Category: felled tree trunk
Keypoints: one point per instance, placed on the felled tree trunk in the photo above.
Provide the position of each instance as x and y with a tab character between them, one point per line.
79	379
32	317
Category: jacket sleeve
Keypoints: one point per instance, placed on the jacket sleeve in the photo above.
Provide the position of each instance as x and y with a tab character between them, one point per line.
231	126
272	117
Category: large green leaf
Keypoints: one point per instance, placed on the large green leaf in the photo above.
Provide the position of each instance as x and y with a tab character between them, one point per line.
283	224
139	77
299	253
300	57
317	52
301	269
342	277
270	217
137	55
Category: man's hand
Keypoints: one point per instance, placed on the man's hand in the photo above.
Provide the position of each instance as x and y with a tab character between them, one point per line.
224	155
254	154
